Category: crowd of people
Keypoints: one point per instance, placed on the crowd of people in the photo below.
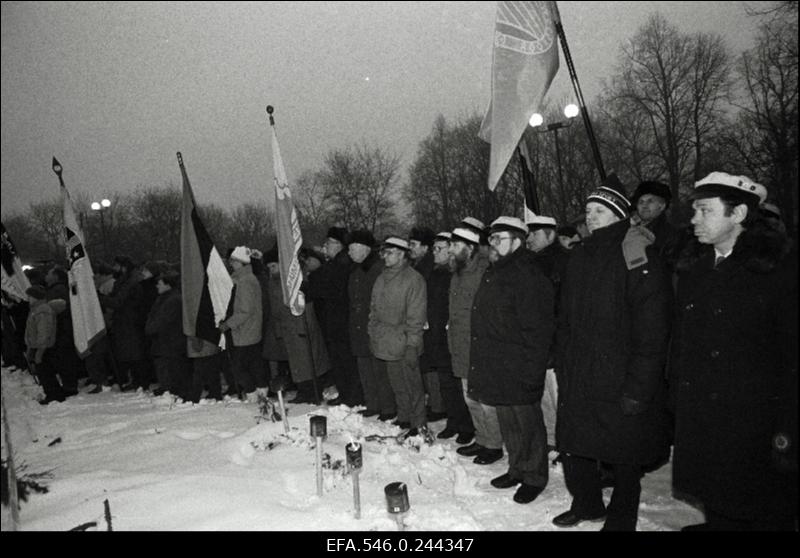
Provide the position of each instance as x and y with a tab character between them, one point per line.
610	346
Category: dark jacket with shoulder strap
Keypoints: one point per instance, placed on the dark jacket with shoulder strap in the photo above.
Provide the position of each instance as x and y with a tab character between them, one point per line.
359	288
611	348
164	325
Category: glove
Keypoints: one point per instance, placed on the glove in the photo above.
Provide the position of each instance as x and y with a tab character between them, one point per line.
411	357
631	407
784	455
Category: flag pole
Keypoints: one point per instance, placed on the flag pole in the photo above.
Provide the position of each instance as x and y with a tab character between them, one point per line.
531	200
598	161
317	393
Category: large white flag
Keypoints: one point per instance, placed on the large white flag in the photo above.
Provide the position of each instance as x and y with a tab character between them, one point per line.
288	230
14	282
524	62
88	324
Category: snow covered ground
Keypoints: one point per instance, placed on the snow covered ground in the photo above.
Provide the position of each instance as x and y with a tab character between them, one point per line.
166	466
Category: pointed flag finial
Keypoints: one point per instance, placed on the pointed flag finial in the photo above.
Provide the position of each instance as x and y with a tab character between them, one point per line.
270	110
180	158
56	167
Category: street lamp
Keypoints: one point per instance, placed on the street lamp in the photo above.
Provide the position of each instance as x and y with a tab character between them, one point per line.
536	120
101	206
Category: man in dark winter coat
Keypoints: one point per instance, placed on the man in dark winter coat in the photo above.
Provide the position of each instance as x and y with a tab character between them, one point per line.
70	366
328	288
651	200
512	330
129	343
613	331
733	365
422	260
378	395
164	327
436	357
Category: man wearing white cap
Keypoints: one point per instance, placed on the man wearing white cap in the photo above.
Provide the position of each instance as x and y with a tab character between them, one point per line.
733	366
244	324
398	312
512	330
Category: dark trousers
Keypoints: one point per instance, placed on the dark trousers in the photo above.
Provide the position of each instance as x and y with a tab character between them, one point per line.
582	477
458	417
136	370
69	365
99	362
525	438
173	374
205	374
378	394
345	373
247	367
46	374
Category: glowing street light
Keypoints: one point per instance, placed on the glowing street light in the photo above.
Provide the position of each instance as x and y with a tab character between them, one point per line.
101	206
536	120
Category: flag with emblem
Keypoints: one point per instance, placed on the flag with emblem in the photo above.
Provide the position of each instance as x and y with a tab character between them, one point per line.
14	281
88	325
206	285
524	63
288	231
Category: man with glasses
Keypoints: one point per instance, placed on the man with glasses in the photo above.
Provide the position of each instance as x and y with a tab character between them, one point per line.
512	329
397	316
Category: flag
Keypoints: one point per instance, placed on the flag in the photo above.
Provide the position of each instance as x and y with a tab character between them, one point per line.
524	62
14	281
289	238
528	184
88	325
206	284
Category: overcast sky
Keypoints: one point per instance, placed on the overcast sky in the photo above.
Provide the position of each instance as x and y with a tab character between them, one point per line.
113	90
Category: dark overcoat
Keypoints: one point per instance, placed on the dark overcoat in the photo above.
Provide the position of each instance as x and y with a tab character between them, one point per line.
512	327
329	287
436	353
733	374
127	320
164	325
612	338
359	288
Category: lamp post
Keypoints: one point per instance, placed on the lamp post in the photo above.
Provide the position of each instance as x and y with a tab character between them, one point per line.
101	206
536	120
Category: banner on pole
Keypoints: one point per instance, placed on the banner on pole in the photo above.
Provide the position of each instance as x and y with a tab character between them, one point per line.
14	280
524	63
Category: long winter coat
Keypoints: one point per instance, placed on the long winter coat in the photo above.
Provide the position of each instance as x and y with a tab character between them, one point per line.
330	287
463	286
612	338
359	289
245	322
127	320
436	353
733	373
305	345
164	325
273	347
512	330
398	313
40	328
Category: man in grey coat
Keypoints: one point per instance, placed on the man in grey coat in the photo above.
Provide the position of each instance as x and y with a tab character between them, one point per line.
398	313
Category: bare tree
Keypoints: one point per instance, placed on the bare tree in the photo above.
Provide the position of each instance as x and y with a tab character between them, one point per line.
252	225
766	138
360	184
312	200
47	218
155	223
677	82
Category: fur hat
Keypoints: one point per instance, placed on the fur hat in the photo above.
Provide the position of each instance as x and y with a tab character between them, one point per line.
361	236
654	188
337	233
423	235
611	194
37	292
241	253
